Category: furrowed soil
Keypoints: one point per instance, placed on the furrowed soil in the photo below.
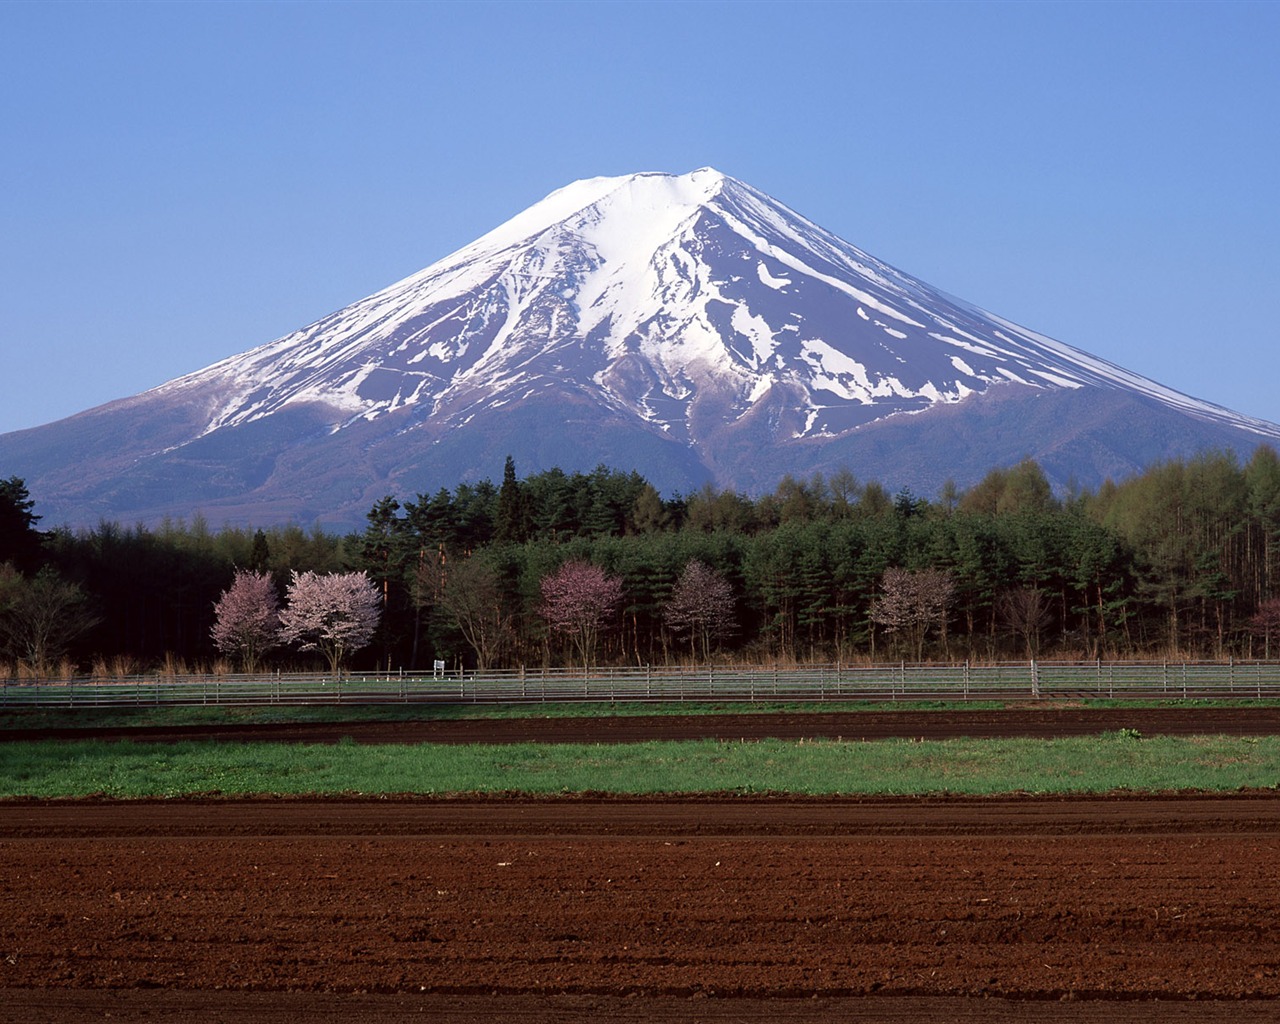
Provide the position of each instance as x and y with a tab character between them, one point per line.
703	909
1031	720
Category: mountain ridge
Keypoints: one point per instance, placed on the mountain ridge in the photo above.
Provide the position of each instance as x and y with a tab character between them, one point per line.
692	326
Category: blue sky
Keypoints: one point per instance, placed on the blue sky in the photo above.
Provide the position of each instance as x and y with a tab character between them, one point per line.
181	182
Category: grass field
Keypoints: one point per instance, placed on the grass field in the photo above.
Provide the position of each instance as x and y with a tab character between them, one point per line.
1113	761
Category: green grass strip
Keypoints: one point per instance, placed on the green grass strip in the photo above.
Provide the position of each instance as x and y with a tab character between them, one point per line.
1071	765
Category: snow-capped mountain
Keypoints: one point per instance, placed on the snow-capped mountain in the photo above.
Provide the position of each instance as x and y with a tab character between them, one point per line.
689	326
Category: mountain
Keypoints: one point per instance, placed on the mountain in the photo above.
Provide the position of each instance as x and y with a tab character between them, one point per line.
689	327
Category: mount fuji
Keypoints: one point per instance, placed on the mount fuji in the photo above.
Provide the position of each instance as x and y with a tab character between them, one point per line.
689	327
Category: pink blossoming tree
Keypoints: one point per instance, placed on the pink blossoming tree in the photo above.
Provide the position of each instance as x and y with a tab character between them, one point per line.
701	608
1266	623
247	618
333	613
911	603
578	600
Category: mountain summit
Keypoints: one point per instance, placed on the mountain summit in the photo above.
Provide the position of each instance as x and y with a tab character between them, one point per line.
689	327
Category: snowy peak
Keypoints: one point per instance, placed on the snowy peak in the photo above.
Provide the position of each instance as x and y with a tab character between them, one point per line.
672	299
623	209
689	327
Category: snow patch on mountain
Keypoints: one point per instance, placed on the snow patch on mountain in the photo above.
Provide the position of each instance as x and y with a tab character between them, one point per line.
653	292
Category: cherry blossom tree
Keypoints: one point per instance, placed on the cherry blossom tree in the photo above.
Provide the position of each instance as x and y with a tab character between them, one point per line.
1265	622
577	601
701	607
247	618
333	613
911	602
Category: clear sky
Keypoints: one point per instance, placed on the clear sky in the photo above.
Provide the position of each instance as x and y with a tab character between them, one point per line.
183	181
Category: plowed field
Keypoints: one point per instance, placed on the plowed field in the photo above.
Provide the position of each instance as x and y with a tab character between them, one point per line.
1032	720
927	910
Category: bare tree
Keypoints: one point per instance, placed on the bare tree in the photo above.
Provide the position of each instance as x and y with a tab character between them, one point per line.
1025	610
577	601
334	613
247	618
912	602
473	597
41	616
701	607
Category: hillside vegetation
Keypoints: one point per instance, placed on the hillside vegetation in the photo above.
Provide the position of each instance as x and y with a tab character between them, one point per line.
1179	561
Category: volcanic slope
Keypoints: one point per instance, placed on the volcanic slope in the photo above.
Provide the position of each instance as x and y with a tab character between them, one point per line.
689	327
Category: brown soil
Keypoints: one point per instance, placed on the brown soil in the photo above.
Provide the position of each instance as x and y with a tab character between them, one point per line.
1026	720
922	910
697	909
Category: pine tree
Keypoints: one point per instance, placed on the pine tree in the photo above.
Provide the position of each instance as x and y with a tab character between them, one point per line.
512	521
20	541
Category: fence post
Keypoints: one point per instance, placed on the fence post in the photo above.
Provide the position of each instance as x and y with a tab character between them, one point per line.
1035	680
966	678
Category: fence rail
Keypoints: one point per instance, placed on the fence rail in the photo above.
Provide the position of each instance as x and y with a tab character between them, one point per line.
1035	680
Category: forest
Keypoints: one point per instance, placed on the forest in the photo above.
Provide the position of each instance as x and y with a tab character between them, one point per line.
1180	561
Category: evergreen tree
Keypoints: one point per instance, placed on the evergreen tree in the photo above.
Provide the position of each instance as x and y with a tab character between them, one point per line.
20	541
512	520
260	554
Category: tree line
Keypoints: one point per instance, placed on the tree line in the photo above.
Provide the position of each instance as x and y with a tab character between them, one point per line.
1182	560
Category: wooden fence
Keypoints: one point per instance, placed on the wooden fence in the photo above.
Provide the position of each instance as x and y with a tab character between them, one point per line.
1034	681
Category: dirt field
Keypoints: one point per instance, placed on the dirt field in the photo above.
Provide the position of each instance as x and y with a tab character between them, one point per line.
930	910
1032	720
